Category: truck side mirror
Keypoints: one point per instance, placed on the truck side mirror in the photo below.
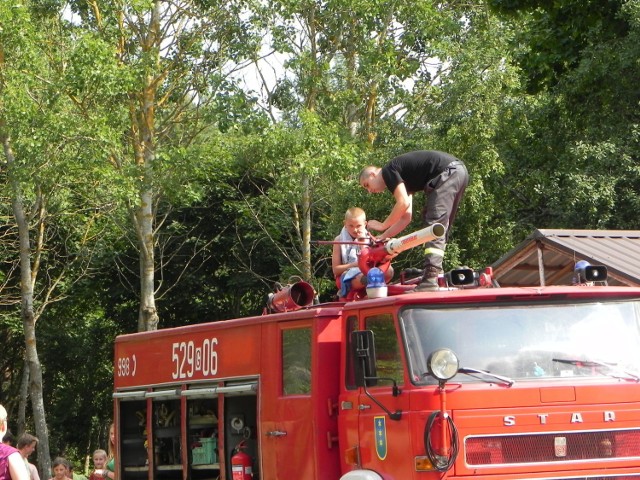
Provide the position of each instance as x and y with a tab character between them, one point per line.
364	358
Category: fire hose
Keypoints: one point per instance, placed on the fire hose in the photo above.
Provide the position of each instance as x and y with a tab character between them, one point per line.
441	462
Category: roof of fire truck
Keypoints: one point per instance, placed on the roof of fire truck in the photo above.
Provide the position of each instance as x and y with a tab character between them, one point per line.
474	295
547	257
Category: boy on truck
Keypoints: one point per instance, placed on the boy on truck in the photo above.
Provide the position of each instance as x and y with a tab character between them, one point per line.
344	260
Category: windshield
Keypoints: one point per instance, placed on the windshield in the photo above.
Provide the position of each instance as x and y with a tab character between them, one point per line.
526	341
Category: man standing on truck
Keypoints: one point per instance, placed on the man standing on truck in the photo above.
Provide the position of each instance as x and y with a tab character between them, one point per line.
442	177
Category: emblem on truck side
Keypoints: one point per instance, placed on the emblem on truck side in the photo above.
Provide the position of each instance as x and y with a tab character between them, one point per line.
381	437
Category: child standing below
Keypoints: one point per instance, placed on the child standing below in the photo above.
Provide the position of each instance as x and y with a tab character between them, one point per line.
110	466
60	469
344	261
99	465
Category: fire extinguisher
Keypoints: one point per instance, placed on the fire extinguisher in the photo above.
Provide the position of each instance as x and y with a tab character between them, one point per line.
241	463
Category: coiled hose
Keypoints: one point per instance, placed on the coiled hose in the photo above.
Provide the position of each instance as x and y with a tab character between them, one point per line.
440	462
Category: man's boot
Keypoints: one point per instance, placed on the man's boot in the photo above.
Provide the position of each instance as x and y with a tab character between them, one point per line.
429	282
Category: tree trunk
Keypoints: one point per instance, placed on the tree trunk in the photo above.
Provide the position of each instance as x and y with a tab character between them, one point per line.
24	397
351	61
27	281
148	318
35	391
306	228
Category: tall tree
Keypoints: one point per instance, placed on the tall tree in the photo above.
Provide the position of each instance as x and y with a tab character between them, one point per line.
400	76
177	57
460	104
50	176
552	37
292	175
573	161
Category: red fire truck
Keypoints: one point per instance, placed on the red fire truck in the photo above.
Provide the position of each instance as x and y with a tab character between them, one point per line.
495	383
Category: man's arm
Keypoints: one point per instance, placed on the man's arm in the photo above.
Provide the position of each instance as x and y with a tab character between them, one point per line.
399	217
17	467
34	472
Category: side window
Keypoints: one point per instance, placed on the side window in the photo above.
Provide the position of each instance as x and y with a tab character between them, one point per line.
388	359
296	361
351	325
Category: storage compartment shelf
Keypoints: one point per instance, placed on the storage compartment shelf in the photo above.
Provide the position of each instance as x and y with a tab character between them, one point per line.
137	469
167	432
203	420
134	441
212	466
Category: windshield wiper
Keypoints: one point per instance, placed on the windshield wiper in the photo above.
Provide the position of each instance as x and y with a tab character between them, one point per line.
482	374
612	371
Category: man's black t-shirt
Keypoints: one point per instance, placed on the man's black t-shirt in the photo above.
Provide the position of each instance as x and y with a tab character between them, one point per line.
415	169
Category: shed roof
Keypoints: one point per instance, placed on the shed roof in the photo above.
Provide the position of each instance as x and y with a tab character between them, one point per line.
551	255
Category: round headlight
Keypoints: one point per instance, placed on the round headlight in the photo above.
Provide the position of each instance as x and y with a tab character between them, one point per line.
443	364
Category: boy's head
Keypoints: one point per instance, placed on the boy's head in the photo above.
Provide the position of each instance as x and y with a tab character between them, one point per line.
99	459
355	221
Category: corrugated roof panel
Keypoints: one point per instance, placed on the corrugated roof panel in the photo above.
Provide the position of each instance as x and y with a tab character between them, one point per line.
618	250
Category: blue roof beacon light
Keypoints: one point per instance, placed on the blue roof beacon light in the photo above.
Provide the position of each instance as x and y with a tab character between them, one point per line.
376	287
585	273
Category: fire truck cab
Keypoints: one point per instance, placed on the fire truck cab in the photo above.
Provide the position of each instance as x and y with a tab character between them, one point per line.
496	383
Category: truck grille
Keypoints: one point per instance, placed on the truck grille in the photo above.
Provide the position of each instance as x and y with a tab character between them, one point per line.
552	447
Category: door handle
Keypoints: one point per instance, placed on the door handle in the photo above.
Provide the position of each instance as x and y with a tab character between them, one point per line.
276	433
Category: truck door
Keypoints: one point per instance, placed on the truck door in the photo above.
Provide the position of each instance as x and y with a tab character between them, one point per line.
286	408
348	413
385	444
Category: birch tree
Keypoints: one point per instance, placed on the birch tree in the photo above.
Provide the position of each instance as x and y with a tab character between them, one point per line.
54	214
177	55
393	75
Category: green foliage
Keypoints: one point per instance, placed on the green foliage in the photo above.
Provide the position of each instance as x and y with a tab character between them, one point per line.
572	162
555	34
273	167
77	421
